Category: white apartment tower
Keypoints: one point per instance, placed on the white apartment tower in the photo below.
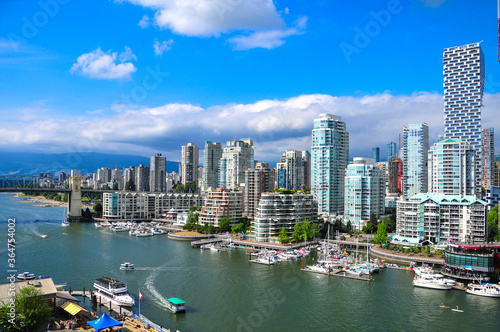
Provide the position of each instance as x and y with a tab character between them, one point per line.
463	70
415	154
237	157
329	159
190	160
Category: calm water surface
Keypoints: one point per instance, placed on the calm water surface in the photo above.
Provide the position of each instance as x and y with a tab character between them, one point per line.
223	291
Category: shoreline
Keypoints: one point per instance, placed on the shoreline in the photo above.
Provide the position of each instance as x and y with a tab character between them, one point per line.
44	202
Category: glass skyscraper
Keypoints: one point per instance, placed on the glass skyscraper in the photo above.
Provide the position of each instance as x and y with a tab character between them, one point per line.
329	159
415	154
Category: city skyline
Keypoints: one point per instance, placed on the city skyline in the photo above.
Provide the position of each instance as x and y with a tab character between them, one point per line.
135	79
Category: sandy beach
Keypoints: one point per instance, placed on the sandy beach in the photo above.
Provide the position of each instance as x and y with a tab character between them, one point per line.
44	202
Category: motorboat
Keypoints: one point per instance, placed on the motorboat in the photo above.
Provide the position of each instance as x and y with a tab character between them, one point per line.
43	236
423	269
143	232
126	266
114	291
176	304
434	281
65	223
25	276
484	289
119	228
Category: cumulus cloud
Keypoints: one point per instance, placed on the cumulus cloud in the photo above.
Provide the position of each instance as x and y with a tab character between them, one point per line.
105	65
268	39
274	125
206	18
162	47
144	22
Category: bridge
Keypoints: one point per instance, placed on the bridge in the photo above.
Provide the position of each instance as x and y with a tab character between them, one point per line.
39	184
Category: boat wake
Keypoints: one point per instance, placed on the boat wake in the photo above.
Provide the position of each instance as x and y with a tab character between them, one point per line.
150	286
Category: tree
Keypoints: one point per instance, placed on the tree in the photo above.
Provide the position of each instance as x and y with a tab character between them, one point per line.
31	310
236	229
493	234
130	185
297	233
97	209
381	235
225	224
283	237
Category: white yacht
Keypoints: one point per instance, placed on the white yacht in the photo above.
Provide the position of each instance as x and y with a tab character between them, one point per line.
484	289
434	281
114	291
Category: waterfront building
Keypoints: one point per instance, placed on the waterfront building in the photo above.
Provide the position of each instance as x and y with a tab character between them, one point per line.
414	157
157	173
488	158
237	157
329	159
463	71
257	181
189	163
221	203
441	218
376	154
126	205
142	178
392	151
211	157
451	167
493	196
473	261
364	192
290	170
276	211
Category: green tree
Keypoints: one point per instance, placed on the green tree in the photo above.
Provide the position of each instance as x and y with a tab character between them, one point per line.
31	310
224	224
237	229
283	237
130	185
381	235
97	209
297	232
493	234
115	186
193	217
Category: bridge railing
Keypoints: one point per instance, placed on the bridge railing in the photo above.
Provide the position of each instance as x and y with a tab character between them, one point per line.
30	182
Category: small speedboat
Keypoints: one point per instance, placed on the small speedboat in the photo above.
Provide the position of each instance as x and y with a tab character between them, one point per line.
127	266
25	276
43	236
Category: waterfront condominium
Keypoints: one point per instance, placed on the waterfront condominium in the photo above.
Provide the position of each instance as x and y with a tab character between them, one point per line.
190	160
415	154
488	158
329	159
364	192
463	71
221	203
290	170
257	181
237	157
158	173
452	168
211	157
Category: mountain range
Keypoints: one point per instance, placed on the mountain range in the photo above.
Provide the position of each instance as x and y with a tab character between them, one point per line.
21	163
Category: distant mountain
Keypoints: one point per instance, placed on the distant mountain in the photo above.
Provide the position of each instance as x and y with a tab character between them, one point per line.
35	163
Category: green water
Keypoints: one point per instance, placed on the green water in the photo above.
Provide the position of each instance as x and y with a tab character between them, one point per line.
224	292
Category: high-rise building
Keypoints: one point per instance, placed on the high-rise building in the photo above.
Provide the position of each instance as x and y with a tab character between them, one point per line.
452	168
463	71
129	174
211	157
392	151
364	192
158	173
415	154
488	158
257	181
237	157
329	159
497	173
117	177
142	178
306	169
189	163
376	154
290	170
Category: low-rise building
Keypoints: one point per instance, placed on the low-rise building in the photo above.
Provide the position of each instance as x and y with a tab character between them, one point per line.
276	211
441	218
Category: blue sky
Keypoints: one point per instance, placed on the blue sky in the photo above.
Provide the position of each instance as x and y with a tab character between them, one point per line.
146	76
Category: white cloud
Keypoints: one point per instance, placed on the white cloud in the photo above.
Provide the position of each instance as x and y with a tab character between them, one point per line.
274	125
144	22
162	47
268	39
98	64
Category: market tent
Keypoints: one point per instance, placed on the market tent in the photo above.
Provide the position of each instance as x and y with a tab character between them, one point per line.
104	322
71	308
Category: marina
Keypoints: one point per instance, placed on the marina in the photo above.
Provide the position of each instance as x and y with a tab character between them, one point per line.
207	281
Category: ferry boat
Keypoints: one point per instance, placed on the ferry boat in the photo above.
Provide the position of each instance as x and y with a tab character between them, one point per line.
114	291
25	276
176	304
484	289
126	266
